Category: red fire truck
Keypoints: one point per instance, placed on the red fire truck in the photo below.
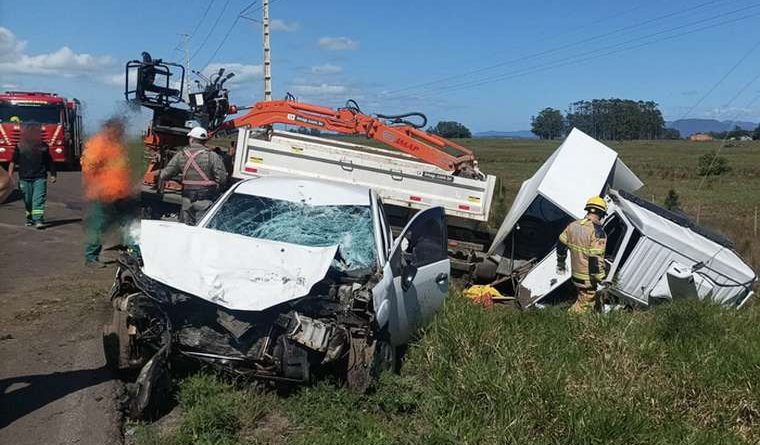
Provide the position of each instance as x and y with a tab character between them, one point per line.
61	121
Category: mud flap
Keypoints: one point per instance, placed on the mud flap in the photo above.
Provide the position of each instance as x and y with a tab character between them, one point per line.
150	392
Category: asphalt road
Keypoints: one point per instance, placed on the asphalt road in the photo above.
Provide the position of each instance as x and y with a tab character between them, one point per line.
54	388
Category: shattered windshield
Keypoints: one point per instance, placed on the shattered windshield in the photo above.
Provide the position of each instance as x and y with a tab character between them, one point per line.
348	226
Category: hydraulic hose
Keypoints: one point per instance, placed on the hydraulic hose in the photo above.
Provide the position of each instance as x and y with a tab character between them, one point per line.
400	119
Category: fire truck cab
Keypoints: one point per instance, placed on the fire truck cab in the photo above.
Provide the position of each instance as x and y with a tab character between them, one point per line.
60	118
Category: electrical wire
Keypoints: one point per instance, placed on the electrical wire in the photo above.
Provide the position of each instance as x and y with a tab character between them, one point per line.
554	50
229	31
591	54
224	40
722	79
211	31
203	16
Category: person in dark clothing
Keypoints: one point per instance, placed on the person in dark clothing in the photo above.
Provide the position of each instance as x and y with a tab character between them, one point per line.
33	162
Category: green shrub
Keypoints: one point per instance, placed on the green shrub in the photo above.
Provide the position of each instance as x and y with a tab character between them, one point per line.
710	164
672	201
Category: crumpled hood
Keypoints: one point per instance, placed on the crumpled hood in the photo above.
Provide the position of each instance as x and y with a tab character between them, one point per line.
233	271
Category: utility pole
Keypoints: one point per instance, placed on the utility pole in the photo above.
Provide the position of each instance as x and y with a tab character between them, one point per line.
186	47
267	55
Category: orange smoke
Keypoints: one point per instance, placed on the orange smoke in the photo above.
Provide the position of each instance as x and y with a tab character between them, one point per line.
105	167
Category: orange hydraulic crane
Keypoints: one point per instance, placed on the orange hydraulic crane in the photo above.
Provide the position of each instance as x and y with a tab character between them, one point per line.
393	131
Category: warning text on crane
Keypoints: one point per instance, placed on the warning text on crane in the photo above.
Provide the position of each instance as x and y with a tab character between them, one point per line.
305	120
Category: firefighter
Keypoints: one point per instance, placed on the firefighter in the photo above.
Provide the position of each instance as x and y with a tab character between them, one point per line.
586	241
203	175
33	161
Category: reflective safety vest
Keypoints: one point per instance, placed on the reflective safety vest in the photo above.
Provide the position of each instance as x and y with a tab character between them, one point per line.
586	242
191	163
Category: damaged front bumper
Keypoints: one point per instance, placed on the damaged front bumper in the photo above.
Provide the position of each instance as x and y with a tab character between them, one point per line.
331	330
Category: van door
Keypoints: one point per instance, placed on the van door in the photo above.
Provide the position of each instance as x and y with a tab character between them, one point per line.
416	276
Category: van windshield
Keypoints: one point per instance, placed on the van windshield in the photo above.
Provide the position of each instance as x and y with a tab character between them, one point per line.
348	226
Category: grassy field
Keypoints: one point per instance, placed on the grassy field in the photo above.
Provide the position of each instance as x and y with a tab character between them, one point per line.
680	373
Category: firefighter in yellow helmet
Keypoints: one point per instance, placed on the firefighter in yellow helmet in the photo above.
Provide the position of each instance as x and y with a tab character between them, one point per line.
586	241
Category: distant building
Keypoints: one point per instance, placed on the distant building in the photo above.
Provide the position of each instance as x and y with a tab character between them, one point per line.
745	138
700	137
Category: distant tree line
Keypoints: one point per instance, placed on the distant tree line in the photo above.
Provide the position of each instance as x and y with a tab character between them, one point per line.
610	119
736	133
450	130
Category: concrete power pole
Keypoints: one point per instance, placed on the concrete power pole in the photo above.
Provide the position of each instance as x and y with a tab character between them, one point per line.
267	52
186	48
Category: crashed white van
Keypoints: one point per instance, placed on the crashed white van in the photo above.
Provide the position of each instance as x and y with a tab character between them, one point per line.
652	254
283	277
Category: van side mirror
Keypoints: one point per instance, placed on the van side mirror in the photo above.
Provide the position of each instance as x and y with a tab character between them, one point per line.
407	276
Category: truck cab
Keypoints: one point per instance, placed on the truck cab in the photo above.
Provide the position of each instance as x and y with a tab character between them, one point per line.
60	120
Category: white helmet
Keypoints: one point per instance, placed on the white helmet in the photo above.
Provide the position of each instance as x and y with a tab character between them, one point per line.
198	133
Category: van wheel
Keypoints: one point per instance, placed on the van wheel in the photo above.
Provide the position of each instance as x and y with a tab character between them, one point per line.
385	358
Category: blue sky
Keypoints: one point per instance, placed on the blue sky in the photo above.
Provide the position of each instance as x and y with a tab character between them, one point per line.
488	64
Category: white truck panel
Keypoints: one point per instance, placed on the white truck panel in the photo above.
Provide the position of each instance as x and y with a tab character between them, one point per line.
399	179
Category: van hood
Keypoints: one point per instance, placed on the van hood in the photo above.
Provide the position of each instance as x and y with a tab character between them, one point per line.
233	271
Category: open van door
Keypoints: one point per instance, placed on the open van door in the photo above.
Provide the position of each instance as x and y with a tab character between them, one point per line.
416	275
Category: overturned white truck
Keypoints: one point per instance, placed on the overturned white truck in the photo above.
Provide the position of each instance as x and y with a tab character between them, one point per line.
652	254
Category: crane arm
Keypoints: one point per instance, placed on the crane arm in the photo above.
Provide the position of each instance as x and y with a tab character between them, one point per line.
430	148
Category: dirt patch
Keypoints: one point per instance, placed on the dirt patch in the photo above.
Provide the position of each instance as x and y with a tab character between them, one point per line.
270	429
54	387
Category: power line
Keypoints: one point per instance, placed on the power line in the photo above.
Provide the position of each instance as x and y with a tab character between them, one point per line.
574	58
241	15
203	17
590	55
722	79
226	36
556	49
211	31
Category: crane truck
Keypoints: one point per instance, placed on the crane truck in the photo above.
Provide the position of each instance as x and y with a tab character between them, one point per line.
418	170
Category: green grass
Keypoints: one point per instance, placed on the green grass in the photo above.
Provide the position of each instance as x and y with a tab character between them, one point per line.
681	373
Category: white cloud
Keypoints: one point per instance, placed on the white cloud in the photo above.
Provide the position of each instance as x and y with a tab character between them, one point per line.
338	43
243	73
326	68
10	86
10	47
116	80
282	25
323	89
63	62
